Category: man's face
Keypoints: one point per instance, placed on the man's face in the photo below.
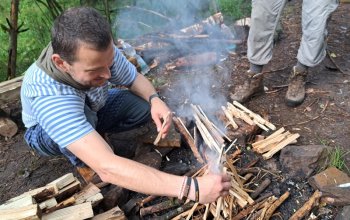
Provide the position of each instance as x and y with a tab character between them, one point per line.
91	67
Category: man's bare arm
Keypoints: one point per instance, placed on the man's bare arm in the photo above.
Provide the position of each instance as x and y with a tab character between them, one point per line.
97	154
144	88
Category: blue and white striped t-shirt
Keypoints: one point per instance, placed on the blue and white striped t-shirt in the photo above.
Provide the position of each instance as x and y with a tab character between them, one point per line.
59	108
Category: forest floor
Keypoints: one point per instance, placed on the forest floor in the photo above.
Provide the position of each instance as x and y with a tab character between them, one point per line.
323	118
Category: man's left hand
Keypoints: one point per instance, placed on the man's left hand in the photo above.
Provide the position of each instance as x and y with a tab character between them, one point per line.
159	110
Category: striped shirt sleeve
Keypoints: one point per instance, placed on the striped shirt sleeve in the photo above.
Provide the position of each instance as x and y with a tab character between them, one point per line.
62	117
122	71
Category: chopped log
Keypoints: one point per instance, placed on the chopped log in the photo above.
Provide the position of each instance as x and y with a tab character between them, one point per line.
198	28
246	178
198	60
280	145
241	192
21	202
240	114
187	213
241	201
147	200
68	190
175	212
191	211
247	211
229	117
81	211
188	138
63	181
112	214
271	143
68	202
263	185
212	209
86	173
87	192
275	205
29	212
306	208
276	133
48	204
208	124
39	194
95	199
8	128
257	117
10	89
208	138
159	207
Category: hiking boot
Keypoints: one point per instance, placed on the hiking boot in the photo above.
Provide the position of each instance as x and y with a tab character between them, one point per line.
251	86
296	88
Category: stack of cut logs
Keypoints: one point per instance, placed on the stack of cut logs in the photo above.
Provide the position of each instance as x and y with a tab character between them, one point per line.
274	143
64	198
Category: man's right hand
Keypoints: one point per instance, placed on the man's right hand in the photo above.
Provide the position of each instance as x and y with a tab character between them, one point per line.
212	186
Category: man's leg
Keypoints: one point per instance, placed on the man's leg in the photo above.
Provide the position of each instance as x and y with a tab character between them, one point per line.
264	19
123	111
41	142
312	50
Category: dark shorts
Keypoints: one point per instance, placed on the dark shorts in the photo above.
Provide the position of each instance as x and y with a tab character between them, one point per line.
123	111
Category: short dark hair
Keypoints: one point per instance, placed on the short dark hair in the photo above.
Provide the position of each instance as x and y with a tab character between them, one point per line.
76	25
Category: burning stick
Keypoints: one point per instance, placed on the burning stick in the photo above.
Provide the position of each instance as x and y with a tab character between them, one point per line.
159	136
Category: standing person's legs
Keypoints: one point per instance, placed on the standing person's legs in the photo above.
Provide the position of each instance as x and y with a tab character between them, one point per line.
312	50
264	19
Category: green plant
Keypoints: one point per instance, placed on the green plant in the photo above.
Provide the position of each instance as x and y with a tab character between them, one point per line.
337	158
235	9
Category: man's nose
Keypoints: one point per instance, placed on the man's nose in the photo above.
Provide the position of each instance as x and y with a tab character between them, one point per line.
106	74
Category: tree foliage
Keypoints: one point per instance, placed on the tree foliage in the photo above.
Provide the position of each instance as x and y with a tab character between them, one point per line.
36	16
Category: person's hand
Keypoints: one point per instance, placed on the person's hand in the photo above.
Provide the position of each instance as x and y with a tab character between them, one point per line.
159	112
212	186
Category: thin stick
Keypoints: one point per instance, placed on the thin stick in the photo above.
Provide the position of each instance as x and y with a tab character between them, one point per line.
231	145
159	136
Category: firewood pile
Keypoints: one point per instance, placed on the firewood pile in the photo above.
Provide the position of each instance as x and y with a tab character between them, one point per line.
246	197
64	198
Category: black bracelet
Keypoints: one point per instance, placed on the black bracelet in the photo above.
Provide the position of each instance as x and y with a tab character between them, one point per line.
152	96
196	188
186	189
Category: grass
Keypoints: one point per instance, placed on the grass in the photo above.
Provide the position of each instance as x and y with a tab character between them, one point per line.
337	158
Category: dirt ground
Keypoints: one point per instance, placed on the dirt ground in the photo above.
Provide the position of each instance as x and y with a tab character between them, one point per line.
323	118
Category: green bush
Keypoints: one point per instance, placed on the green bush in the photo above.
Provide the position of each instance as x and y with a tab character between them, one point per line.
235	9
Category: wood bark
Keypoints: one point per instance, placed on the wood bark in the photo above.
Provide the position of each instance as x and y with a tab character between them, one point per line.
13	32
306	208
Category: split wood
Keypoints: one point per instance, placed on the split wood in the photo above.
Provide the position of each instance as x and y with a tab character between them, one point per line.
188	138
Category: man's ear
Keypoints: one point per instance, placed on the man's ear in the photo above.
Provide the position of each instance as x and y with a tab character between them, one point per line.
60	63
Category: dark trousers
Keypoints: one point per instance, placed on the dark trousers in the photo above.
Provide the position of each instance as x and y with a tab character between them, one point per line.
123	111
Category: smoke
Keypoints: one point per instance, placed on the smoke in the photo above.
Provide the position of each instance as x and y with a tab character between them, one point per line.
201	85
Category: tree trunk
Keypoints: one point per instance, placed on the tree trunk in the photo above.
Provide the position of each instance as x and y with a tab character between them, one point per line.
13	31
